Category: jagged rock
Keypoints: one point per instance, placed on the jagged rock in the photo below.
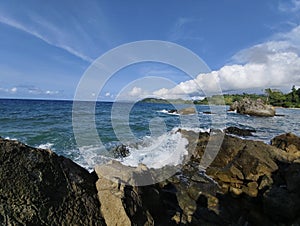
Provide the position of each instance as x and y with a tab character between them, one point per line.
173	111
183	111
288	142
121	151
111	194
38	187
208	113
239	132
253	107
253	180
234	106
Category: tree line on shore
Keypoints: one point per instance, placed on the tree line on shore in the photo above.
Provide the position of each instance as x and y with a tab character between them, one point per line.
273	97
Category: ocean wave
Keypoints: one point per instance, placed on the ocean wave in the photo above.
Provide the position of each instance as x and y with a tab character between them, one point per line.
167	112
157	152
195	129
45	146
154	152
8	138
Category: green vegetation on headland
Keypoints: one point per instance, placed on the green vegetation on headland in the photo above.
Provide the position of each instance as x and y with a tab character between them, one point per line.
273	97
289	100
228	99
164	101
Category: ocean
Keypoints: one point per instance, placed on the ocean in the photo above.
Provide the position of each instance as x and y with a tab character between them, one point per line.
147	128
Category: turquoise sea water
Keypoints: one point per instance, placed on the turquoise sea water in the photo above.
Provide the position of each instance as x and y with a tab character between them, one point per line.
48	124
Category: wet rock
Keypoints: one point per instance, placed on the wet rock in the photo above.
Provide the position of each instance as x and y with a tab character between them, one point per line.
253	107
239	132
183	111
121	151
208	113
173	111
38	187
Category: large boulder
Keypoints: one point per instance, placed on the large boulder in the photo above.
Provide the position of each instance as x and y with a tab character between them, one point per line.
187	111
288	142
253	107
38	187
183	111
239	132
120	151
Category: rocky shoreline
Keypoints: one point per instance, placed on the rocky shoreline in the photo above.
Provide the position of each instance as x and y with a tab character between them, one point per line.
248	183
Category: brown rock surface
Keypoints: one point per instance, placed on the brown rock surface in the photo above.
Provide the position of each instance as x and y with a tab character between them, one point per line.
253	107
288	142
187	111
246	184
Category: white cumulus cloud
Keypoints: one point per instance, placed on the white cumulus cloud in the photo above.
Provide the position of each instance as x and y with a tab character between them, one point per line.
136	91
271	64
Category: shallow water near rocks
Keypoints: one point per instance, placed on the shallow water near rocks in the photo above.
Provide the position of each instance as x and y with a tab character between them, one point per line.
48	124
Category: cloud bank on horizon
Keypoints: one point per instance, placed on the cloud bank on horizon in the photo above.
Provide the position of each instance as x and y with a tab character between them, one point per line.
273	64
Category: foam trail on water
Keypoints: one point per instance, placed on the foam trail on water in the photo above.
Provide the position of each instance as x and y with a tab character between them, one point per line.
167	112
8	138
45	146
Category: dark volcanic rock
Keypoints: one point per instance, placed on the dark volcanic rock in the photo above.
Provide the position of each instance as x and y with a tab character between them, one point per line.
121	151
239	132
253	108
173	111
38	187
208	113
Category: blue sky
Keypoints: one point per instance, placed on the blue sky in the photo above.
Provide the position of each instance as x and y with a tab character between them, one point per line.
45	47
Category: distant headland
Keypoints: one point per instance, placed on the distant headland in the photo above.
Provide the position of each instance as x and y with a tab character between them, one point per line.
273	97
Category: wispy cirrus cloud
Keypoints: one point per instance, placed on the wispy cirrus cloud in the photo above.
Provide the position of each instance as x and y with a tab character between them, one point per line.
34	32
181	29
289	6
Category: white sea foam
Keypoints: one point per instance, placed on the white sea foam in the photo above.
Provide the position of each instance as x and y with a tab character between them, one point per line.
8	138
195	129
89	156
154	152
167	112
45	146
167	149
232	112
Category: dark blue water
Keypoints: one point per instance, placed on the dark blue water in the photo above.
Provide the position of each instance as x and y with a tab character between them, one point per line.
48	124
